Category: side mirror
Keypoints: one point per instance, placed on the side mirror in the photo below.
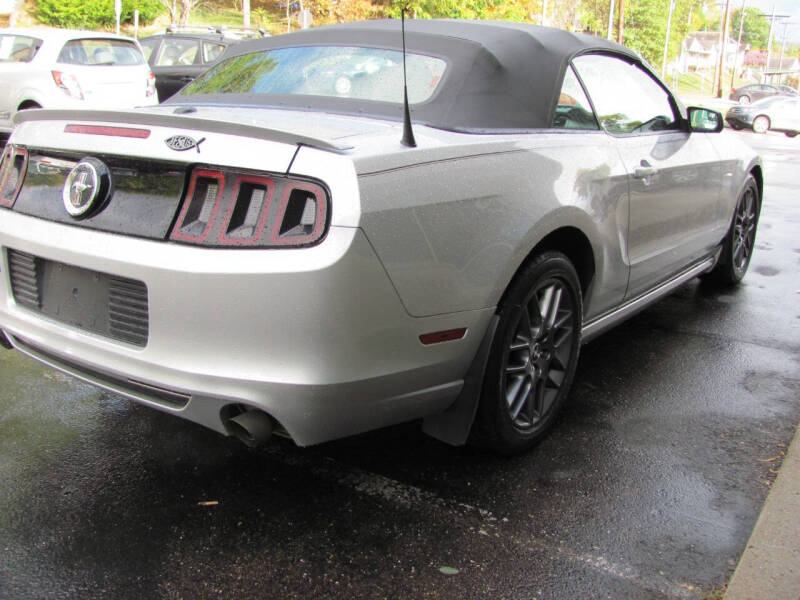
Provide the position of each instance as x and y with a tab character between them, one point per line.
705	120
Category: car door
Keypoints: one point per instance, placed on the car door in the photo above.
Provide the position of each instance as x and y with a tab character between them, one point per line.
793	115
674	176
177	63
783	114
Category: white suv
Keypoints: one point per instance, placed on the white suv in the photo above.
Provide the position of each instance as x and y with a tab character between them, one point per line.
62	68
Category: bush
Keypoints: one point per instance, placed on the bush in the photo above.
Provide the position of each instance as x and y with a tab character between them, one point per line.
94	14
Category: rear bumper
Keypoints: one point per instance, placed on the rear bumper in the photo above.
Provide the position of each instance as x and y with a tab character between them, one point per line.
316	337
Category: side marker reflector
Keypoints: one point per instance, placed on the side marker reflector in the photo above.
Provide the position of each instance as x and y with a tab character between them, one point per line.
438	337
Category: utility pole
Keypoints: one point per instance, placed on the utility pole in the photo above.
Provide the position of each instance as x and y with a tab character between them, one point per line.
621	27
246	12
783	47
666	40
611	21
544	12
722	47
769	43
738	42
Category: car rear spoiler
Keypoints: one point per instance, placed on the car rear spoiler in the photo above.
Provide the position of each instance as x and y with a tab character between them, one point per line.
135	117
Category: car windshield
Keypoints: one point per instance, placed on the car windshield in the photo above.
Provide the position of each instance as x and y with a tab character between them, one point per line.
337	71
99	51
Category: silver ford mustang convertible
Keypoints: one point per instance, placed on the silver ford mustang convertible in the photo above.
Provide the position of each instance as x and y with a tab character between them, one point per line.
289	246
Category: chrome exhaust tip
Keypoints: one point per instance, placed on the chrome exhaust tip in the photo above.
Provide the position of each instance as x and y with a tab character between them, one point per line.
249	425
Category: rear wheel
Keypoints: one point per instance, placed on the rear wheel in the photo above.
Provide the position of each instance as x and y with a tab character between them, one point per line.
737	249
761	124
532	362
744	99
735	126
790	134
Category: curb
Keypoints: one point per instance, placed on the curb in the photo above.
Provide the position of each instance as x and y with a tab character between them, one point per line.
770	565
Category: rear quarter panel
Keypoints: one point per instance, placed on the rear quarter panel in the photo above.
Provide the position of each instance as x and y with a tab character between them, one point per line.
452	233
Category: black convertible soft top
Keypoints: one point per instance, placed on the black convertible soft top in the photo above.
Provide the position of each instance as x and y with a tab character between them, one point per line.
500	75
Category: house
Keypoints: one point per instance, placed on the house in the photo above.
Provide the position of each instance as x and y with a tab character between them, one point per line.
786	64
8	9
700	50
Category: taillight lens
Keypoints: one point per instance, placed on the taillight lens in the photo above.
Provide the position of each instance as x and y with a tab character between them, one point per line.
68	83
232	208
12	173
151	85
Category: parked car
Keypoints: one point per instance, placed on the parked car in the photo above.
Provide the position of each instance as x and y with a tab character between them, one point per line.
756	91
778	113
62	68
787	89
180	54
267	252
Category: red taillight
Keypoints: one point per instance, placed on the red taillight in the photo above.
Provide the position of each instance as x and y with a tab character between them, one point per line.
301	216
151	85
247	214
12	173
199	207
237	209
68	83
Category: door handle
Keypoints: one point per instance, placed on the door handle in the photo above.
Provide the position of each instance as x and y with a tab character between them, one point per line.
644	172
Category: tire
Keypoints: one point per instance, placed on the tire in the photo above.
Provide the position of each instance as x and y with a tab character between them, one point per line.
532	361
761	124
790	134
739	243
735	126
744	99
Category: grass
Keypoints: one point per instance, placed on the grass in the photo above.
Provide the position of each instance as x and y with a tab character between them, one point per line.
704	83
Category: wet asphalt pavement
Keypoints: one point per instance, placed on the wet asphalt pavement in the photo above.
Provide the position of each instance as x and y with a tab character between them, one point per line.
648	486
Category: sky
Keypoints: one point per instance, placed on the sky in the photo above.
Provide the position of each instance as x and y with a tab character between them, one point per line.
782	7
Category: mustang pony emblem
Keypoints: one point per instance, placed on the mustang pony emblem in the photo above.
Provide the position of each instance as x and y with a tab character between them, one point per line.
86	186
181	143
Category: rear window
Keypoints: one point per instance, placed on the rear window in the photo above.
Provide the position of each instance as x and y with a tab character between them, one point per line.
337	71
99	51
18	48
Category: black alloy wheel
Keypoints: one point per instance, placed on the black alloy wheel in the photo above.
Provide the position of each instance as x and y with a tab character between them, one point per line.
761	124
534	354
737	250
744	231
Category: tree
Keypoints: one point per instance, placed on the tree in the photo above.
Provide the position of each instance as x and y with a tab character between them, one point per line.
93	14
179	10
756	27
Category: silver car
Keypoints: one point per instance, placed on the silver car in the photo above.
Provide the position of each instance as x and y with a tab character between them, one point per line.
287	246
778	113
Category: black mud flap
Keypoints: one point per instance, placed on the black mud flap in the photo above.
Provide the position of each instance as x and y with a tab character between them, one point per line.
454	425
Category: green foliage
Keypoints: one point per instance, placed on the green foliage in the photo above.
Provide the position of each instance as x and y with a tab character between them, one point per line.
645	25
94	14
509	10
756	27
